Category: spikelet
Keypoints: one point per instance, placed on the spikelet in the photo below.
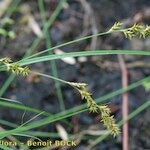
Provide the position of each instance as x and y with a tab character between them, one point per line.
146	32
109	120
104	110
5	60
137	30
15	68
117	26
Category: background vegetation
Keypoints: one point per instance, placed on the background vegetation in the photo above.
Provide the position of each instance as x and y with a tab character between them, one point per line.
65	44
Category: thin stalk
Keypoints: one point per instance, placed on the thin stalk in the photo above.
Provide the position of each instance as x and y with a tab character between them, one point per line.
48	45
49	76
69	43
75	41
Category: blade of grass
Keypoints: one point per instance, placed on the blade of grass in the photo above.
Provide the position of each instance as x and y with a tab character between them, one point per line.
82	53
10	100
58	86
32	133
22	107
7	123
48	45
36	124
6	84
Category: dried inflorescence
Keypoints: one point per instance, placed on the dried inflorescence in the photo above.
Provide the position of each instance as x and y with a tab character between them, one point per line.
14	68
137	30
93	107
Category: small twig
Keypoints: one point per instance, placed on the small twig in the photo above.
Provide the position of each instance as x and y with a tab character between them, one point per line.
124	72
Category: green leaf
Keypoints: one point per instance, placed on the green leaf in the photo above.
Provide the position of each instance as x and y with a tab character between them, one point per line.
82	53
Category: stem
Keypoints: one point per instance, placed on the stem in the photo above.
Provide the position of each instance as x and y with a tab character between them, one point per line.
125	106
68	43
49	76
49	44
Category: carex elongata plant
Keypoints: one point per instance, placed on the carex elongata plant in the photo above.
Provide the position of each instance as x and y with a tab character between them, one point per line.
107	119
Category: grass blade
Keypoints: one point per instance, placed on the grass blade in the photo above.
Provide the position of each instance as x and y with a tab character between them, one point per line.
83	53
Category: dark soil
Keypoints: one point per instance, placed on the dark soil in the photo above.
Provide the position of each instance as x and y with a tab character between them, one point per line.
41	93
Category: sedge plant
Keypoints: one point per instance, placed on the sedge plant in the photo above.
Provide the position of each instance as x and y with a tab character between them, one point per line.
21	68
